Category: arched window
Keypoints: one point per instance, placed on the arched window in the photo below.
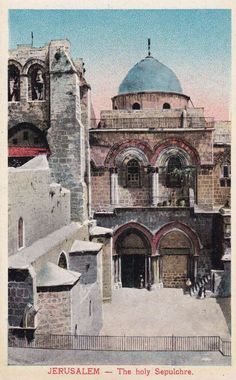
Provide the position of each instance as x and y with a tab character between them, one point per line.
133	173
173	175
136	106
36	83
20	233
13	84
62	263
166	106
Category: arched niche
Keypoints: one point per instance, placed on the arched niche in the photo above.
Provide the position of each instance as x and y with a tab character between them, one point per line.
62	261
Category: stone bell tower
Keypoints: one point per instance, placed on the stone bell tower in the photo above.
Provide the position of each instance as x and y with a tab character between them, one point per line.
67	135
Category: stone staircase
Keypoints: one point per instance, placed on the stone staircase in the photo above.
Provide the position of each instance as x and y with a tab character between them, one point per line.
203	281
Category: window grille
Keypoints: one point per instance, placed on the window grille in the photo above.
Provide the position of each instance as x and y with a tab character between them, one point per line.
133	173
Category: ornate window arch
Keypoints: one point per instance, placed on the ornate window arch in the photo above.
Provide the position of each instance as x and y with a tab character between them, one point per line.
21	233
13	83
130	163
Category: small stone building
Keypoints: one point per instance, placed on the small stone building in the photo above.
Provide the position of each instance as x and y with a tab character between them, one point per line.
160	172
55	272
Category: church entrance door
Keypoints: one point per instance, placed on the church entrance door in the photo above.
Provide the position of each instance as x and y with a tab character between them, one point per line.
132	267
175	271
176	259
132	259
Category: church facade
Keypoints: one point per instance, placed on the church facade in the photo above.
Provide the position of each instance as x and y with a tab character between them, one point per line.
160	173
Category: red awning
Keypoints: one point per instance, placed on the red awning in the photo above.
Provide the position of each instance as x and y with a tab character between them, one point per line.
26	152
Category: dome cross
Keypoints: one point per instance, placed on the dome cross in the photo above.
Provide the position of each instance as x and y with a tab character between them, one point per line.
149	47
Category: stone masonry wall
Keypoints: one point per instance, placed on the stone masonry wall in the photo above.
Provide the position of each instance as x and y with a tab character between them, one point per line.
205	189
54	316
221	194
20	292
106	267
86	264
149	101
135	196
100	189
33	198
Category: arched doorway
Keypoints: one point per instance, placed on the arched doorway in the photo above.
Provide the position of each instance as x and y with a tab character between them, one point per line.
132	260
176	262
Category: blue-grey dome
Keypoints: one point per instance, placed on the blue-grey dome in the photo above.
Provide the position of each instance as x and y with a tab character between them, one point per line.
150	75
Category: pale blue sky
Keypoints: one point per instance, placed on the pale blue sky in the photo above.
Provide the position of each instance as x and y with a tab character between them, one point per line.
195	44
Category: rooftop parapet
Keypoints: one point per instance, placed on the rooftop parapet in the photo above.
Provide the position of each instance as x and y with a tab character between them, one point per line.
155	123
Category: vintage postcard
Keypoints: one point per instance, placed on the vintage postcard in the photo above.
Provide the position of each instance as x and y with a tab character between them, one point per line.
117	189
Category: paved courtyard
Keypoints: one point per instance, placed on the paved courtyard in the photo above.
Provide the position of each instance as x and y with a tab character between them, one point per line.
27	356
163	312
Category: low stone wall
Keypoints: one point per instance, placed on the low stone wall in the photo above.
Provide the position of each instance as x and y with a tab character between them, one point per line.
86	309
54	316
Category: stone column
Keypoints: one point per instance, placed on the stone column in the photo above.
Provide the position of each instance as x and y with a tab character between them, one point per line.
184	119
149	270
24	96
191	197
146	272
155	185
155	269
120	281
114	187
115	260
195	269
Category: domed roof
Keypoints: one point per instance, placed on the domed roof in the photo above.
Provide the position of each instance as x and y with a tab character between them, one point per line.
150	75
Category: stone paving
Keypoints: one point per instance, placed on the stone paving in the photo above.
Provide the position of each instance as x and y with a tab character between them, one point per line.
36	357
162	312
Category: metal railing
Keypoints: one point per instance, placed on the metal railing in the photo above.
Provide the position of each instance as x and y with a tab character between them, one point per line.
154	122
225	348
123	343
